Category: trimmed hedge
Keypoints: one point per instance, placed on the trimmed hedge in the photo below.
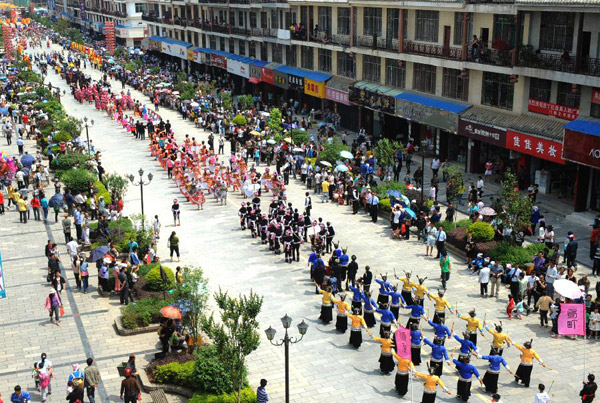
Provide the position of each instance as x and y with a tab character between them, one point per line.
239	121
144	312
481	231
155	283
385	205
248	396
210	375
176	373
506	252
78	180
68	161
101	191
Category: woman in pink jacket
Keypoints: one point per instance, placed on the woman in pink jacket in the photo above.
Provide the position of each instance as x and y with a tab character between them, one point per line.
53	305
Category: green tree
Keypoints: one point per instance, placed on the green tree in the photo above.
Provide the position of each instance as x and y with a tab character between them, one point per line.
516	207
385	152
275	121
236	335
455	182
245	102
61	26
116	184
227	101
331	152
194	294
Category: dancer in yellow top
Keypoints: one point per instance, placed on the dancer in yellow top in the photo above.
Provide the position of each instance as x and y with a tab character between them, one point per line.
358	323
386	362
474	325
405	366
326	306
528	354
420	291
431	383
341	323
440	305
500	339
407	286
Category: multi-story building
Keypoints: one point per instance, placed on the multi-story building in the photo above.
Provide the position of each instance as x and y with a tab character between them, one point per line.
477	80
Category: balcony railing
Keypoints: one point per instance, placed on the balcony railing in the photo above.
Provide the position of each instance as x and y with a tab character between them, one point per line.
180	21
490	1
430	49
151	18
566	63
340	39
496	57
377	42
240	31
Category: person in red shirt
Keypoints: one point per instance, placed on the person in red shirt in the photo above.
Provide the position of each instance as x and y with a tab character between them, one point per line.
35	205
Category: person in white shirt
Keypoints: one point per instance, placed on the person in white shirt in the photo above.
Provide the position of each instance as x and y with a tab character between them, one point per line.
551	276
541	396
484	279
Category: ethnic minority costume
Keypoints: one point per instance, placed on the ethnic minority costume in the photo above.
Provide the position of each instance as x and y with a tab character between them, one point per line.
440	305
407	287
326	307
416	311
431	383
356	299
415	346
438	354
382	298
525	368
396	298
498	342
473	326
490	379
370	307
402	374
420	292
386	362
463	386
387	318
341	322
358	323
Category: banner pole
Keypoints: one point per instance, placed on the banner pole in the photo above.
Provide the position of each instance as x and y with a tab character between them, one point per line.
584	352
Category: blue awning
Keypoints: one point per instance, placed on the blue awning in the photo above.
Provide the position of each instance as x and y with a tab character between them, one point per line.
231	56
176	42
434	102
156	38
311	75
587	126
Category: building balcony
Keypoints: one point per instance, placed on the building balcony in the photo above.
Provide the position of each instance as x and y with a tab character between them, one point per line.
495	57
565	63
490	1
376	42
433	50
182	22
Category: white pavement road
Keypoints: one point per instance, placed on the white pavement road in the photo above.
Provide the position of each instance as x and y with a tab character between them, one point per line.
323	366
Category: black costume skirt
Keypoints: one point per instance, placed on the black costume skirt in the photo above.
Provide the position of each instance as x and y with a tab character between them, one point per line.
401	383
523	374
386	363
341	323
463	390
490	380
369	319
356	338
415	355
326	314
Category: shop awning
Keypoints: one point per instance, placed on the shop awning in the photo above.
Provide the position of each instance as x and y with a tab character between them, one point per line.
308	74
340	83
374	96
548	128
381	89
588	126
434	102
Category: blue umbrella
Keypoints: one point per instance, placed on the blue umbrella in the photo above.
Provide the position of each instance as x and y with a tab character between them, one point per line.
4	111
57	200
405	199
27	160
341	168
321	124
410	212
98	253
394	193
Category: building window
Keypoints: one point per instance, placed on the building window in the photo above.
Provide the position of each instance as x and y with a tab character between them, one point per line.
277	53
290	56
222	40
252	49
241	48
454	85
274	20
556	31
252	19
325	60
140	7
568	95
263	20
213	42
343	21
405	24
346	65
497	90
306	57
393	23
424	78
504	31
241	19
459	18
427	25
264	53
324	20
231	46
395	73
540	89
371	68
372	21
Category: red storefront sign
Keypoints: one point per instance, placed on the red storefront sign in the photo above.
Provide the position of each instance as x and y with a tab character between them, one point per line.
596	96
268	75
337	95
535	146
581	148
218	61
550	109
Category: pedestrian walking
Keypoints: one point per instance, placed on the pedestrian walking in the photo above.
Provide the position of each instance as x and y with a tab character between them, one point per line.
571	252
54	305
129	388
446	267
66	225
261	392
176	213
156	228
173	245
484	279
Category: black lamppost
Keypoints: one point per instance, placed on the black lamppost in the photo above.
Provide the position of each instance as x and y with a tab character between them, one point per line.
87	134
286	341
423	150
141	184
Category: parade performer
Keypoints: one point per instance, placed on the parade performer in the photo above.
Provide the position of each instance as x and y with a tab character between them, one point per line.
386	362
525	368
370	306
405	367
440	305
500	339
341	323
384	285
431	381
466	347
415	344
473	325
326	306
407	287
490	379
465	370
356	298
420	291
416	311
438	354
440	330
387	318
397	300
358	323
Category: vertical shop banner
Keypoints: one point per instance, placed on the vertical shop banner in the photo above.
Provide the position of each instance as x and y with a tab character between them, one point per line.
535	146
571	321
82	9
109	34
7	33
2	288
402	338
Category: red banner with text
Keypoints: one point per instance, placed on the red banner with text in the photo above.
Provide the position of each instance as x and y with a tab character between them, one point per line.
535	146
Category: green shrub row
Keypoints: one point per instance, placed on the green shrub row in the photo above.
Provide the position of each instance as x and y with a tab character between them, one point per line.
248	396
144	312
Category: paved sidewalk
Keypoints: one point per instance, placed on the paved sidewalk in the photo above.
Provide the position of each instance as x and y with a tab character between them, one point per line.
322	365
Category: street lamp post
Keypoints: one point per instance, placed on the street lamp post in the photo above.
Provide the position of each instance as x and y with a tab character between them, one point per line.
286	341
423	149
87	134
141	184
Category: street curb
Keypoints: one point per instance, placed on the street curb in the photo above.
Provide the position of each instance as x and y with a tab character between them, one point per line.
166	387
131	332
